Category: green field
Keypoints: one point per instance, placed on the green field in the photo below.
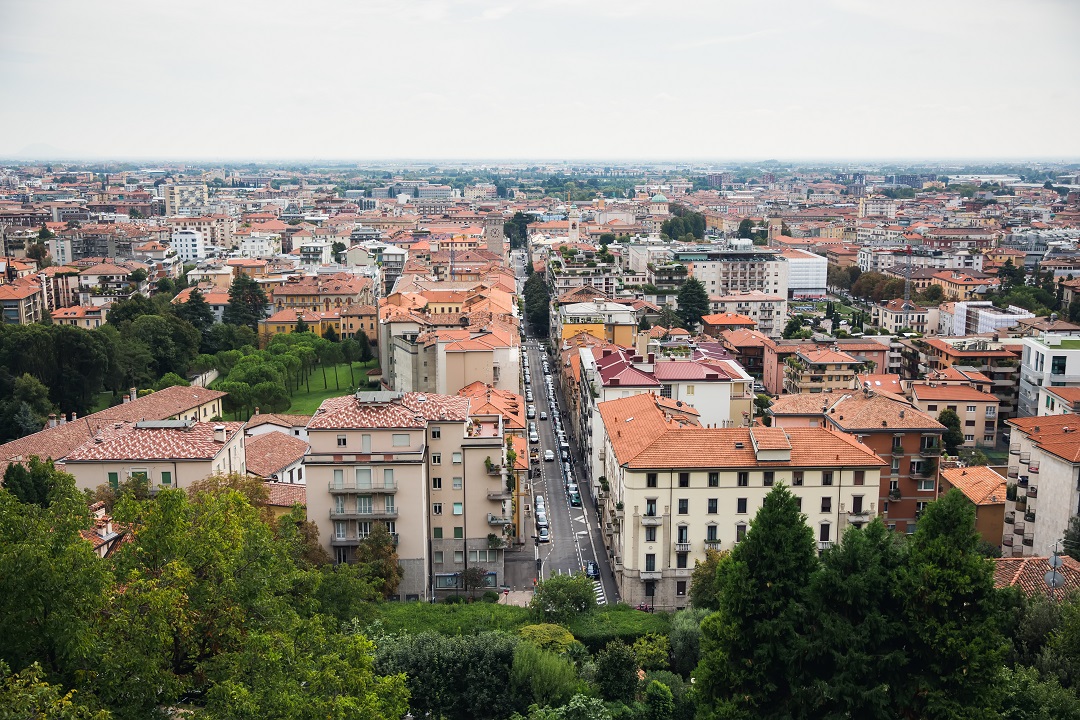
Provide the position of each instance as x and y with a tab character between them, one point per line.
307	399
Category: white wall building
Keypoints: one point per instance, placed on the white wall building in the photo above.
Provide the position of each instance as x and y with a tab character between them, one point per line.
807	273
1048	361
189	245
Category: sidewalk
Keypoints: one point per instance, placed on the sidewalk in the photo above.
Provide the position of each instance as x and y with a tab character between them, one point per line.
520	598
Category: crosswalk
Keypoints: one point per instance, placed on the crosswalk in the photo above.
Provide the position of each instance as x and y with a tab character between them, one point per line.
598	588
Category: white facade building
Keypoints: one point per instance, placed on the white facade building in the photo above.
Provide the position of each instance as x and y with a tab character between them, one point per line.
189	245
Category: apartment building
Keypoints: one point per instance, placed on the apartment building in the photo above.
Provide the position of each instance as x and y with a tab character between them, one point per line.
897	315
1044	463
807	273
959	285
678	489
975	317
730	272
986	491
86	317
609	321
769	311
1049	360
997	360
887	425
819	370
185	198
163	453
1059	400
977	410
427	468
336	291
21	302
189	245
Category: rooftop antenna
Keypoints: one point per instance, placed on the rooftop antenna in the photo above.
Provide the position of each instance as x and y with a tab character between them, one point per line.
1054	579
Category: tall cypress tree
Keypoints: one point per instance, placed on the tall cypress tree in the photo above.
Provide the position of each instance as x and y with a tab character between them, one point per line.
752	648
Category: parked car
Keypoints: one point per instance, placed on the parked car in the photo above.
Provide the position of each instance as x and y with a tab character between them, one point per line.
543	415
541	520
543	535
549	456
592	570
534	439
575	500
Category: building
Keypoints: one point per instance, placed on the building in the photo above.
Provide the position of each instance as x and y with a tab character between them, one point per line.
185	198
977	410
603	320
768	311
423	465
997	360
899	315
21	302
958	285
189	245
276	456
977	317
807	273
727	272
1047	361
1029	574
984	489
889	426
1059	400
819	370
86	317
163	453
678	489
1044	462
715	325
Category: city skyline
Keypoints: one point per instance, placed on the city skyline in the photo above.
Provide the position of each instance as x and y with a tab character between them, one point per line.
478	79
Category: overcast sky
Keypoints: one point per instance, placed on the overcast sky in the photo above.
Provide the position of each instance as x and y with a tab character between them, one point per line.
555	79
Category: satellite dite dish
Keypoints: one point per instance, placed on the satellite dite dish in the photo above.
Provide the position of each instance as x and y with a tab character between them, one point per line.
1054	579
1054	561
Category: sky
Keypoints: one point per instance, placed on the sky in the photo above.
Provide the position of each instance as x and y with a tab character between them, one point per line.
540	79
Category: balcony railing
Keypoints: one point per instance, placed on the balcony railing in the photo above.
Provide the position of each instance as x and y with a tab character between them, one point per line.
824	545
1033	491
1029	516
371	515
354	540
651	574
682	547
930	450
494	470
351	486
1029	541
1022	481
859	516
499	520
713	545
1033	468
1014	449
498	495
652	520
1025	458
1007	541
1014	470
1009	518
1021	504
1018	528
897	449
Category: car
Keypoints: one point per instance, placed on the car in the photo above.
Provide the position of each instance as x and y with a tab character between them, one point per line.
549	456
592	570
566	455
528	396
534	438
571	487
527	381
541	520
575	500
543	415
539	501
543	535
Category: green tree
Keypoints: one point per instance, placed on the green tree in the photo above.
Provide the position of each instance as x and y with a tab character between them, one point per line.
616	672
693	302
548	636
196	311
1071	541
746	229
685	637
793	327
752	648
377	554
954	433
247	303
301	326
652	652
541	677
29	695
170	379
34	482
562	596
704	581
1029	696
950	612
659	703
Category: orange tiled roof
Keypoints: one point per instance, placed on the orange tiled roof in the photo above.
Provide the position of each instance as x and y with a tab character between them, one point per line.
1028	573
389	410
979	483
269	453
286	494
130	442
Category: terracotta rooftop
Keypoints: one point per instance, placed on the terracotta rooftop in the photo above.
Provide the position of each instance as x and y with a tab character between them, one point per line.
1028	573
948	391
1056	434
279	419
1070	395
128	441
728	319
388	410
269	453
979	483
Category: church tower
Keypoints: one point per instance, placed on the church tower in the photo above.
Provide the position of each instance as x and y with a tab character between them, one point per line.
575	223
494	235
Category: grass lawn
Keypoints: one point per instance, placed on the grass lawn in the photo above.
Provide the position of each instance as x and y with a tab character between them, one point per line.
306	402
103	401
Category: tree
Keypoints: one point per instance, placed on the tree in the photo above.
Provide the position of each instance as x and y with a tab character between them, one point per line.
247	303
616	672
365	347
338	249
377	553
659	703
704	590
693	302
954	434
561	596
746	229
548	636
685	637
473	577
170	379
950	613
196	311
669	318
34	482
301	326
29	695
752	649
1027	694
541	677
793	327
652	652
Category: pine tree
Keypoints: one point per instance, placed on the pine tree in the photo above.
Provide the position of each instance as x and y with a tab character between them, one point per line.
247	303
752	648
954	435
693	302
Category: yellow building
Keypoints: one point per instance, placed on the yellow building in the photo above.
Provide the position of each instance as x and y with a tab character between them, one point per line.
608	321
284	321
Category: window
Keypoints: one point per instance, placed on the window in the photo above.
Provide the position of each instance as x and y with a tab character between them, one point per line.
926	484
797	477
365	443
680	588
457	458
166	478
363	477
363	504
971	408
969	438
448	582
457	483
920	507
769	475
436	533
436	433
712	506
650	588
931	408
740	532
436	509
650	507
650	562
436	483
680	560
341	441
459	508
459	556
826	477
684	506
665	391
798	502
710	533
1057	365
684	479
400	439
825	532
988	438
826	504
969	423
436	458
744	479
714	479
860	477
459	532
388	477
339	530
740	506
991	410
650	480
114	480
650	534
895	465
857	504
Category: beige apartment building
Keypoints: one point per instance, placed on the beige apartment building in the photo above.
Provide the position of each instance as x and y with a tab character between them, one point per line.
820	370
427	468
678	489
977	410
185	198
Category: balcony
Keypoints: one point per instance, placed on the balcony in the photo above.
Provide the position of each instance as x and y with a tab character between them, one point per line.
930	450
1029	541
682	547
894	493
1010	518
498	495
651	574
1020	504
354	540
652	520
1007	541
897	449
1033	491
1018	528
858	516
351	486
713	545
1029	516
372	515
1014	449
1025	458
1014	470
1033	468
499	520
1023	481
824	545
494	470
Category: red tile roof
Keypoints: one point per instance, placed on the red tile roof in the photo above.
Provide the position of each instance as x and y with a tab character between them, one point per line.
1028	573
269	453
286	494
131	442
1055	434
945	392
979	483
388	410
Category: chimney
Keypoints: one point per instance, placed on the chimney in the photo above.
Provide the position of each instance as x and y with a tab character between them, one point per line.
52	420
133	393
256	409
63	419
74	416
126	399
219	434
